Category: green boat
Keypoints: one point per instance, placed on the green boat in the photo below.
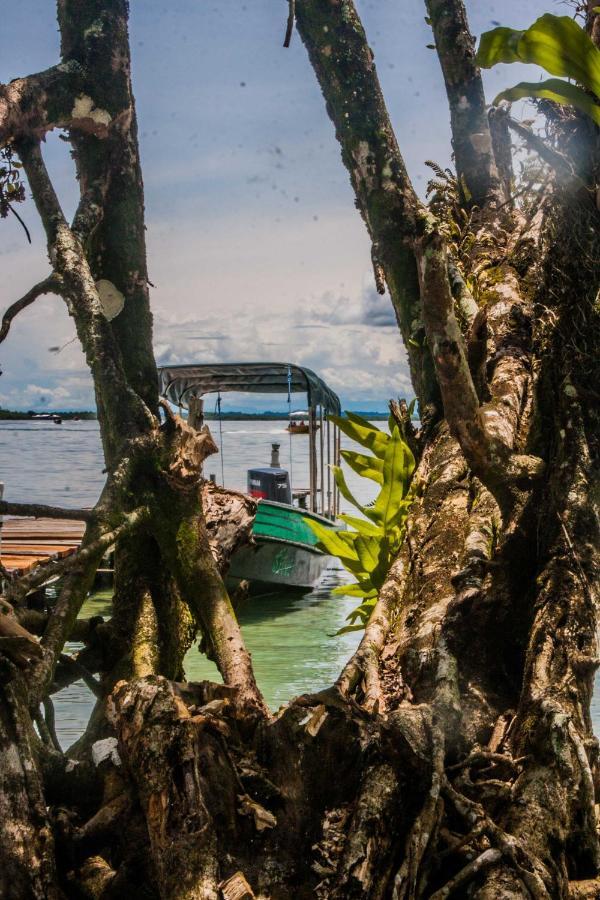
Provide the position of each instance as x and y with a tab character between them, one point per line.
284	551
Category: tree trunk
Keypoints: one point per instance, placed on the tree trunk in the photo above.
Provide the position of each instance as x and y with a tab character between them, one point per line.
455	754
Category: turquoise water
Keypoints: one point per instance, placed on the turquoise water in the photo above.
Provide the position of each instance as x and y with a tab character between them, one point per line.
292	639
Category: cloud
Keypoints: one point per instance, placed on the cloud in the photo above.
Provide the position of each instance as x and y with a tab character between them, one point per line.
370	308
353	343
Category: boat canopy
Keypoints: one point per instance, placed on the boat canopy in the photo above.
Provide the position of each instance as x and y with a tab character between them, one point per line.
179	383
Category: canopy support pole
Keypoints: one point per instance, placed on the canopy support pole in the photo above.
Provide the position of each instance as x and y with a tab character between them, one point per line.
336	462
312	458
321	460
329	509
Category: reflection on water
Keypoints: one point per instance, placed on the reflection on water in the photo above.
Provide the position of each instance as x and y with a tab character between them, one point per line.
292	641
290	638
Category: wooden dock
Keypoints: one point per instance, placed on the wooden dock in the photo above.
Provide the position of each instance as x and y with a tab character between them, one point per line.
26	542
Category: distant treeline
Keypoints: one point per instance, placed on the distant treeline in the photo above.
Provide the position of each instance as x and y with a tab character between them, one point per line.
278	416
11	414
31	414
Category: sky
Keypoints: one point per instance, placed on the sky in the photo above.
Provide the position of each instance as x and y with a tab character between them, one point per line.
255	247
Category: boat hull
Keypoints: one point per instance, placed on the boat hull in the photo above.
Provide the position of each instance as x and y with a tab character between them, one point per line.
283	552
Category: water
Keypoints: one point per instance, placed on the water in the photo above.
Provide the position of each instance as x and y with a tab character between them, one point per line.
292	639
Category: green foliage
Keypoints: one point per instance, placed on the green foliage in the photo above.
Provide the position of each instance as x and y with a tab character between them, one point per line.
561	47
369	546
12	189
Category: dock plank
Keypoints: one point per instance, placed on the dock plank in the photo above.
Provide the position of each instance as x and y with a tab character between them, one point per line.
26	542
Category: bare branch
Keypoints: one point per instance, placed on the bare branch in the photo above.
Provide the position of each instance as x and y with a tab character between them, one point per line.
465	302
25	103
488	858
502	147
81	673
290	23
475	164
50	285
54	568
127	414
556	160
40	511
21	222
76	586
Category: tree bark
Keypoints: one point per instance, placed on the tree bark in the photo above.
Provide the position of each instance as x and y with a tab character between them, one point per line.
455	752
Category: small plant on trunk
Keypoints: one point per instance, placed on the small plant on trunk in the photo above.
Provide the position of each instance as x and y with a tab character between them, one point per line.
369	547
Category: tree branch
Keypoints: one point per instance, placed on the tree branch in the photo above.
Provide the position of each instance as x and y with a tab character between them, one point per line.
127	415
364	663
471	139
343	62
556	160
290	23
50	285
25	103
489	457
75	589
56	567
40	511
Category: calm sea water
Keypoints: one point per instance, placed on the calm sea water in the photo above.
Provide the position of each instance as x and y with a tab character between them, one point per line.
292	639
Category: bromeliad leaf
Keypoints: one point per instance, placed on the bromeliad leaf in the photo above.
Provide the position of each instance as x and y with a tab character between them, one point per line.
344	489
362	526
562	92
360	420
365	466
561	47
556	43
367	436
332	542
354	590
367	550
368	547
398	466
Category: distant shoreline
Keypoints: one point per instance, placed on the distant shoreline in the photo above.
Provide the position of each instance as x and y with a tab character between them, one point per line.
7	415
12	415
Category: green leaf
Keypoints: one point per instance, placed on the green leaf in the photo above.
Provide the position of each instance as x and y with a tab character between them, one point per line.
331	541
360	420
365	466
367	550
398	466
557	90
500	45
347	628
366	435
340	480
556	43
362	526
354	590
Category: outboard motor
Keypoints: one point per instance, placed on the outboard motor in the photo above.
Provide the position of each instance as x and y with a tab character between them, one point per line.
271	482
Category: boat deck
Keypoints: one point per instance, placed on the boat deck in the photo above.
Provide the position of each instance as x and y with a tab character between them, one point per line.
26	542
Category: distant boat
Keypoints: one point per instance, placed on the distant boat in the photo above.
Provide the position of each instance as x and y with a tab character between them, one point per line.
300	427
48	417
284	551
